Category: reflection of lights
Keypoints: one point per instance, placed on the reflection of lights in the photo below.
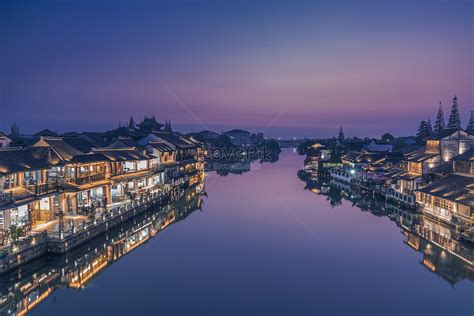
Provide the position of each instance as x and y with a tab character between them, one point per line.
353	171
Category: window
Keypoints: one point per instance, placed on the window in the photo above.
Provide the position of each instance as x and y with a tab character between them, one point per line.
464	210
464	167
142	165
71	172
432	146
415	167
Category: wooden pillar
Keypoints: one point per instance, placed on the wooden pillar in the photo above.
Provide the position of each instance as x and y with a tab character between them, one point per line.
108	195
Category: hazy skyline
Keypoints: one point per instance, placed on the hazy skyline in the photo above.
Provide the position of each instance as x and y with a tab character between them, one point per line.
288	68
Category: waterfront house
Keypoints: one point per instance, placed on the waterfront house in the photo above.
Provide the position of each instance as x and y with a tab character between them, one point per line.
85	184
451	198
25	190
132	173
164	153
448	143
188	154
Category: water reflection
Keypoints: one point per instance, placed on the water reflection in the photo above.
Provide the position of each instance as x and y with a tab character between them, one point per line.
443	252
25	288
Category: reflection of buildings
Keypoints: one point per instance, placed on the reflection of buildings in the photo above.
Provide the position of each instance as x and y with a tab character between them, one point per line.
443	251
22	290
226	168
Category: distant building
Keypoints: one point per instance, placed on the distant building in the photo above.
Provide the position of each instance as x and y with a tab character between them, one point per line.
379	146
4	140
46	132
149	125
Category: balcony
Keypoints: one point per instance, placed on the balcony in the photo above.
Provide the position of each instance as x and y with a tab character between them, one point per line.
158	168
88	179
43	188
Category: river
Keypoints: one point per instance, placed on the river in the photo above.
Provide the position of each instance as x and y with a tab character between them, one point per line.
261	244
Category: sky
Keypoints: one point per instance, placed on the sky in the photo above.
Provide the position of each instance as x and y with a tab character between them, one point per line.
286	68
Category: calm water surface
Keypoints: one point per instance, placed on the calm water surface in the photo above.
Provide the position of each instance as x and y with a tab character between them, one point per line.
262	245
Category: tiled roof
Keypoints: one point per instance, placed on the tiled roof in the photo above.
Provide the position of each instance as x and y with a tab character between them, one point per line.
15	160
364	157
126	142
443	169
124	132
97	138
88	158
467	156
443	133
63	149
399	174
419	156
123	154
3	135
46	154
46	132
178	142
79	143
454	188
161	147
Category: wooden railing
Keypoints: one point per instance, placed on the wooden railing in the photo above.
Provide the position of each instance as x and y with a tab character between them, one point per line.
88	179
43	188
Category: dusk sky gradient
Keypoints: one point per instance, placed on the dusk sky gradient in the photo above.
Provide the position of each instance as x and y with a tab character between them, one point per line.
287	68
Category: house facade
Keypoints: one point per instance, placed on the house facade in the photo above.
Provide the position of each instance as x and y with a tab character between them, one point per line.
451	198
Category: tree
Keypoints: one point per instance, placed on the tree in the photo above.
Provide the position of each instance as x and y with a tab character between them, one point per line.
454	118
305	147
15	233
423	131
15	130
470	125
131	123
167	127
3	236
439	124
340	137
429	127
387	137
336	153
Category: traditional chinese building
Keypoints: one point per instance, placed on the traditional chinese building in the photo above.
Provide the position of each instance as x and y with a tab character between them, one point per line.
451	198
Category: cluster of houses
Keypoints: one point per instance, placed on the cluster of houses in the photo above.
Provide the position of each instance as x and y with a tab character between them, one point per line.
50	182
436	178
20	293
443	251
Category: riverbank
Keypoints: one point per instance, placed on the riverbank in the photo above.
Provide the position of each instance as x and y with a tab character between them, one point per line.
40	244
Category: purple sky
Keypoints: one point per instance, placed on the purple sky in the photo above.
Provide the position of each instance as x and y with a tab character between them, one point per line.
288	68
